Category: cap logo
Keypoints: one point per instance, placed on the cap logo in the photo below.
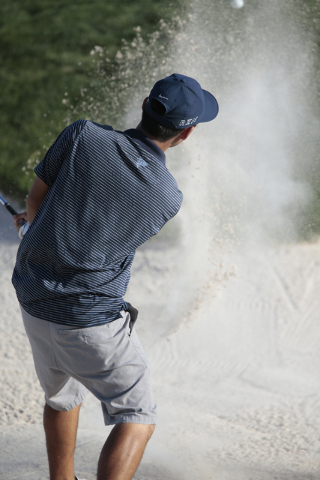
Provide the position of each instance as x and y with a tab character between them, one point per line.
161	96
186	123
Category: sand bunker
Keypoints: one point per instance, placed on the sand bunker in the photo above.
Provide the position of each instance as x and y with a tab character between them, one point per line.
236	375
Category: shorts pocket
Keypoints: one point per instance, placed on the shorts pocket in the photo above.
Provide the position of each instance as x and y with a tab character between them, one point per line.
90	332
135	342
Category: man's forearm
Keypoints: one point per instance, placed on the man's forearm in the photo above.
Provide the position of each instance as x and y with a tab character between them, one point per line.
31	211
36	195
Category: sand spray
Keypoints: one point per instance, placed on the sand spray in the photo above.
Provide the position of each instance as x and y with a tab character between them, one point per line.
238	174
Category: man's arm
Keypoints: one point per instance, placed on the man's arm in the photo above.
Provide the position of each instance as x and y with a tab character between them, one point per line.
48	170
36	195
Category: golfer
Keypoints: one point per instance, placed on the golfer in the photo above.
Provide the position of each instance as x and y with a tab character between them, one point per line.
98	195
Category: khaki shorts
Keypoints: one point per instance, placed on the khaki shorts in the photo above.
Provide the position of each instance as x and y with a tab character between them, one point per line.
108	360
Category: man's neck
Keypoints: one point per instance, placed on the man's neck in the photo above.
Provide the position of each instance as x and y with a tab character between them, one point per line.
163	145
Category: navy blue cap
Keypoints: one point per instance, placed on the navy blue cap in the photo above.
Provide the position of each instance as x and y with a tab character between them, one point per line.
185	102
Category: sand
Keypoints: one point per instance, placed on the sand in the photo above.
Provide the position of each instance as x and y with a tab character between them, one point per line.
235	371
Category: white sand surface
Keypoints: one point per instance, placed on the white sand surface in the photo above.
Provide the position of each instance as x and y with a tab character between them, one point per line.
235	371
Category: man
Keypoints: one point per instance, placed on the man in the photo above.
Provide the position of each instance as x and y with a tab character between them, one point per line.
98	195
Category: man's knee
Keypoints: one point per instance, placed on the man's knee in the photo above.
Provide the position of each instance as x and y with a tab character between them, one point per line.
147	431
151	430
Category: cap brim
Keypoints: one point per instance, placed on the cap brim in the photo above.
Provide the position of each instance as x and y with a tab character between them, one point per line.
211	108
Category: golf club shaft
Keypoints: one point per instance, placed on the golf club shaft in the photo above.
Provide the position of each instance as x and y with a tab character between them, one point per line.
10	209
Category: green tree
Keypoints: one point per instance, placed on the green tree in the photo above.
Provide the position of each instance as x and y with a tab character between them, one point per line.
45	53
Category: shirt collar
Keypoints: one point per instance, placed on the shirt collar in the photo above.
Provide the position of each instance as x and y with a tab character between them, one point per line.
146	143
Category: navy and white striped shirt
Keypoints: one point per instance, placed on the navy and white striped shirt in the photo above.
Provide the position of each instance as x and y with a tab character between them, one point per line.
109	192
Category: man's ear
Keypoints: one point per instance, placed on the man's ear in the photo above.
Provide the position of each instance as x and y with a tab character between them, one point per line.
186	132
144	102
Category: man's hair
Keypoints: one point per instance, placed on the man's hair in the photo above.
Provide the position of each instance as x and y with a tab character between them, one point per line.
151	126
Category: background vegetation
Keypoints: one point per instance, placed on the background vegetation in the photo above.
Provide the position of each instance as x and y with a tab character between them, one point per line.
45	64
44	54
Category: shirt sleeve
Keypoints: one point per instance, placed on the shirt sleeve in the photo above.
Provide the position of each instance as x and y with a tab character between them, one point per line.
49	167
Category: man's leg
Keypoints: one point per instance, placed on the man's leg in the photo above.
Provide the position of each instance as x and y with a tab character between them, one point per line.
61	433
123	450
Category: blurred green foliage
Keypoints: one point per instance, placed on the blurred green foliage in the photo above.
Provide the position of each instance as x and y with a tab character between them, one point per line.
45	60
44	53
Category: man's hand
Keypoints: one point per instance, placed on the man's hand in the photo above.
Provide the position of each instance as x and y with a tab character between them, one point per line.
20	220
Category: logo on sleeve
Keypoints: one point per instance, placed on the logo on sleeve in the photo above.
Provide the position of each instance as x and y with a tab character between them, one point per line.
141	163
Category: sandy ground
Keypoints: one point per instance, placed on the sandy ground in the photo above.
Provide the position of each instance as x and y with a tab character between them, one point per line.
235	371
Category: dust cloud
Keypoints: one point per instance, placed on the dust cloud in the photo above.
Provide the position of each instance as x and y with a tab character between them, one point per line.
238	174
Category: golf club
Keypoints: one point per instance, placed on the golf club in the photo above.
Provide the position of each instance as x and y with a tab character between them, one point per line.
10	209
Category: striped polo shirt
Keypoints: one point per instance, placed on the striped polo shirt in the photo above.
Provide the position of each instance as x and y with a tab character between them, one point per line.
110	192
